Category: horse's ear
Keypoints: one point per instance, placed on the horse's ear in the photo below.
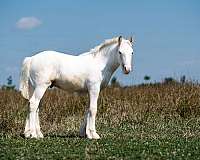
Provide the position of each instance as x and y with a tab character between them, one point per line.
131	39
119	40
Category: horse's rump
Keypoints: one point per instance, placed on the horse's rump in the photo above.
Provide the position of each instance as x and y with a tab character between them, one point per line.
24	78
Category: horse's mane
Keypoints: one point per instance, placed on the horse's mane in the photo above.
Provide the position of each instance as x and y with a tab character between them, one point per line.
103	45
106	43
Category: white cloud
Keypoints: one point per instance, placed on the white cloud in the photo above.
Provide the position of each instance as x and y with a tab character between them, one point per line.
28	23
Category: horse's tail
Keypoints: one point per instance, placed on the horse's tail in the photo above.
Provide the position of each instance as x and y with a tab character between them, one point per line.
24	78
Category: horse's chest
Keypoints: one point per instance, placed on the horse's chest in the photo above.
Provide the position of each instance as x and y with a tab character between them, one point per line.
105	79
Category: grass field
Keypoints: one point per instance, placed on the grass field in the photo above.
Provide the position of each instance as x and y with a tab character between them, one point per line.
160	121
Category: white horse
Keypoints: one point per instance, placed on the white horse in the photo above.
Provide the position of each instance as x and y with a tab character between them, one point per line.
90	71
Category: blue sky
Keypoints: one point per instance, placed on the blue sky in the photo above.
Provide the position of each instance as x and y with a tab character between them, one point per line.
167	33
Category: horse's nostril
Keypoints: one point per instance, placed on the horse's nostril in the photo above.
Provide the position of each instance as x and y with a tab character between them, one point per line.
125	69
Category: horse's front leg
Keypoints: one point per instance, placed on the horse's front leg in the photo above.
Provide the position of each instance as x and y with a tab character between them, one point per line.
89	123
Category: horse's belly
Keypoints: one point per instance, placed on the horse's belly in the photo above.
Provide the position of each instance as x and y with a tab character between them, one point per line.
73	85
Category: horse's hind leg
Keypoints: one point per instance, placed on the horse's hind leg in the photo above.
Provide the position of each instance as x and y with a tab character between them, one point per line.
27	126
38	131
34	128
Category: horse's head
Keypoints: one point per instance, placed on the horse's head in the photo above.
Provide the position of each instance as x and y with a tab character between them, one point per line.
125	52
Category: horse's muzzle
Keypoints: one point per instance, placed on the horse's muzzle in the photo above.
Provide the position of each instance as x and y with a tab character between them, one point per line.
126	69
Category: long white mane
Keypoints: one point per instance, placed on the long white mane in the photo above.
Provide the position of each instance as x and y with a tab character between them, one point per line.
103	45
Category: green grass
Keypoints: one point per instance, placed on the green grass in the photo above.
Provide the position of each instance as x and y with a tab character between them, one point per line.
160	139
116	143
143	122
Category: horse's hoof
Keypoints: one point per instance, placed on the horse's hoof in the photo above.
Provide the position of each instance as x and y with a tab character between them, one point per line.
40	135
30	135
27	135
82	135
34	136
93	135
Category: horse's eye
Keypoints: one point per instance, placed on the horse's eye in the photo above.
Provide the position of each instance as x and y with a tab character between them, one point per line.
120	52
132	52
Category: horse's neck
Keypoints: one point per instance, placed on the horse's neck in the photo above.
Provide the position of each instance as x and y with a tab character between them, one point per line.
112	64
109	63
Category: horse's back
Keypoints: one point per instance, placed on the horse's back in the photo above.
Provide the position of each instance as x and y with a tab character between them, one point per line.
44	65
50	59
65	71
49	56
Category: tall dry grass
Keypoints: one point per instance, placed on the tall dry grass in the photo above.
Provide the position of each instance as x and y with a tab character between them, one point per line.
62	112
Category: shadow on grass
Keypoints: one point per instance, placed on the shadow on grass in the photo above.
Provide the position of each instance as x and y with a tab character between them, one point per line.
54	135
67	135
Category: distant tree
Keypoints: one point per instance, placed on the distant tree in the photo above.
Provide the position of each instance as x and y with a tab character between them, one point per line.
183	79
147	78
168	80
9	81
114	82
9	85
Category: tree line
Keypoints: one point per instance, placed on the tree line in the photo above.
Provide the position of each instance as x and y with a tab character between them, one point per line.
114	82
